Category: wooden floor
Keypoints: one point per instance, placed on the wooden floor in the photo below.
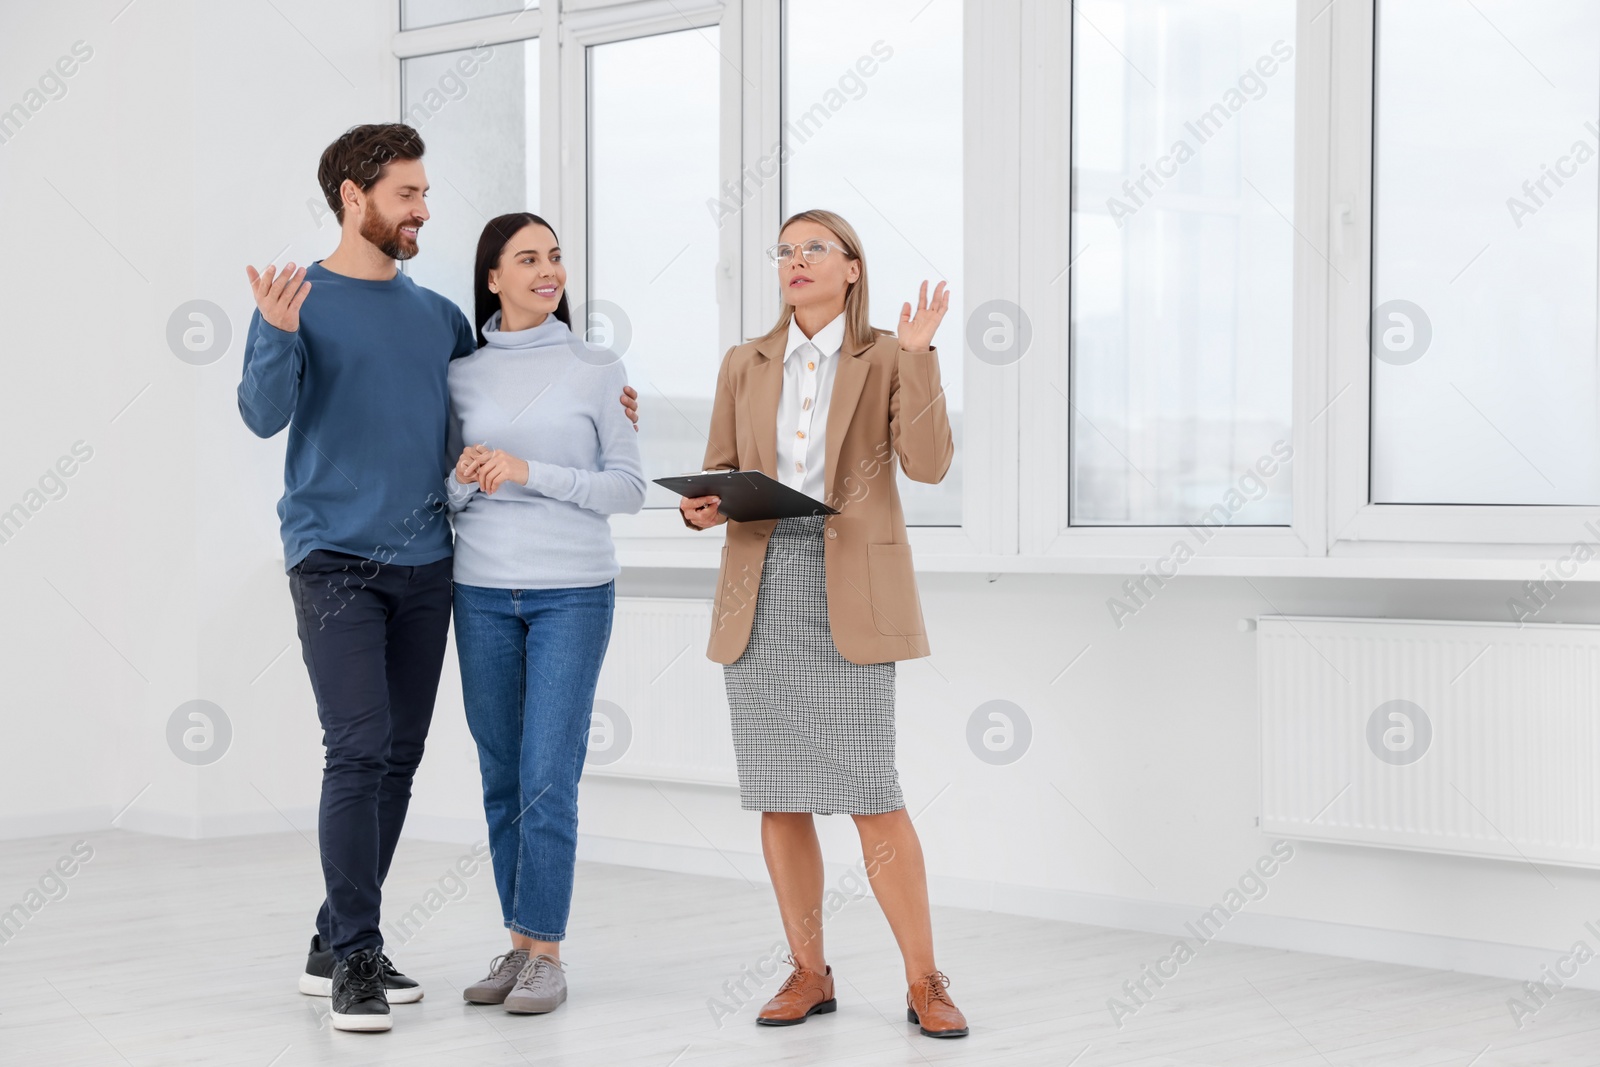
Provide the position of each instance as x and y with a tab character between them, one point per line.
167	952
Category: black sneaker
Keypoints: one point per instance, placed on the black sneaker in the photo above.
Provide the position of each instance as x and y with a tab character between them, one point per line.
317	981
396	986
358	999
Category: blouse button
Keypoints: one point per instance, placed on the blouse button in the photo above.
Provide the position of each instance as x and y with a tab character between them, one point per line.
800	433
811	365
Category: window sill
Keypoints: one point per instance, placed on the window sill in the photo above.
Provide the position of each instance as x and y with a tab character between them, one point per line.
1426	562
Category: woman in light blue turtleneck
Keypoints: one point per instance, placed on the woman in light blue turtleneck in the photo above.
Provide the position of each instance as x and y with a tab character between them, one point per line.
543	454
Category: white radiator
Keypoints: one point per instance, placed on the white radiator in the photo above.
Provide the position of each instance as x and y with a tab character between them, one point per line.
1477	739
660	708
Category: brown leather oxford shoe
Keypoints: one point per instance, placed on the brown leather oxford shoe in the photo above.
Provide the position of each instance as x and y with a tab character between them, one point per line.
803	994
930	1007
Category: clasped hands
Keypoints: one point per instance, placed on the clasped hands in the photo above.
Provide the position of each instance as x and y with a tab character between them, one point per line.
490	468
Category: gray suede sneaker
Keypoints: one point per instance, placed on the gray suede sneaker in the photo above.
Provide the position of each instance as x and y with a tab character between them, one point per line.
502	976
541	987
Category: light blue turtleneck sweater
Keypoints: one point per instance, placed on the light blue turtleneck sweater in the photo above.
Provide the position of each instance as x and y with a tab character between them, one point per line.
553	400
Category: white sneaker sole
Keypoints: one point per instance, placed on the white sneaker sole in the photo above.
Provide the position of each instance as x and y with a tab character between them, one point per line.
360	1022
312	986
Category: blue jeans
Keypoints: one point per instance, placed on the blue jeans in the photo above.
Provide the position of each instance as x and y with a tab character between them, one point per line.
530	659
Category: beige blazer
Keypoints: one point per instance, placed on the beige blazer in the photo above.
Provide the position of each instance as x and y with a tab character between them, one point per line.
887	405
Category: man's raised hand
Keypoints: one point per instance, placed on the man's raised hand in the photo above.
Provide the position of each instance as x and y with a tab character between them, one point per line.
279	296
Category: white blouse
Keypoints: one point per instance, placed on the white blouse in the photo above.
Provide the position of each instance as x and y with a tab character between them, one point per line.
808	372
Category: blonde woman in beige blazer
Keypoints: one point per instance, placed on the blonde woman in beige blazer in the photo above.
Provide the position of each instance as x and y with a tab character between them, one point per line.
812	613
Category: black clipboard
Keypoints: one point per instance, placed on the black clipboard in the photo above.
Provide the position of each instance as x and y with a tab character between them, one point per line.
747	496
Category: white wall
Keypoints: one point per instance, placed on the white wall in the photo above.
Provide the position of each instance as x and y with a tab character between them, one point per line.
100	244
185	148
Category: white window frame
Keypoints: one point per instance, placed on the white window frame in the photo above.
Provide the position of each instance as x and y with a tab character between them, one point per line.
656	537
751	46
455	36
1047	52
986	449
512	28
1357	523
1017	114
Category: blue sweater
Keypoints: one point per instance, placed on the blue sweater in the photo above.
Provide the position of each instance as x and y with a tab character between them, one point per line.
554	401
362	386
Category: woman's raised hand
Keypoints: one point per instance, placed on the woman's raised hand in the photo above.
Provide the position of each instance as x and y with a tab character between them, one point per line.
916	333
472	458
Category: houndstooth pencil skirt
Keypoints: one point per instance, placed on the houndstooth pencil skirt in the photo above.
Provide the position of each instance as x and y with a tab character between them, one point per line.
811	730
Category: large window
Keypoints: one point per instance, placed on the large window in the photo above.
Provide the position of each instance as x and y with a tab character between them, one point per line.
477	110
1327	275
1183	123
1484	376
872	112
652	252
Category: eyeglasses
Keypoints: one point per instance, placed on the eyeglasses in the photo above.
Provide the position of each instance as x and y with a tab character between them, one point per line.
814	251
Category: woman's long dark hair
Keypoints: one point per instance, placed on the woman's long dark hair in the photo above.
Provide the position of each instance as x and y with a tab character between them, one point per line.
496	235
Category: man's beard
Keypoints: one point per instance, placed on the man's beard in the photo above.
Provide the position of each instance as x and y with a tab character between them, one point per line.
386	235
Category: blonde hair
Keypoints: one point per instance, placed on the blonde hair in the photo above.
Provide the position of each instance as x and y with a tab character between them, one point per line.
858	331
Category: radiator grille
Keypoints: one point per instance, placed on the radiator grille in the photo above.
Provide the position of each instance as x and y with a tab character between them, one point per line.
1503	747
673	709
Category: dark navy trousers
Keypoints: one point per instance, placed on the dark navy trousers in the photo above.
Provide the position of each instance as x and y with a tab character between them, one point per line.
373	639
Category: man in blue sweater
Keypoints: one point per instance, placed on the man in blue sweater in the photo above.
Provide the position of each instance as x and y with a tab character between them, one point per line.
357	372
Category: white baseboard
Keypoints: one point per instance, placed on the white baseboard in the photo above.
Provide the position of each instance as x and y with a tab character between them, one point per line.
680	859
242	823
450	830
52	823
1493	959
146	820
1516	962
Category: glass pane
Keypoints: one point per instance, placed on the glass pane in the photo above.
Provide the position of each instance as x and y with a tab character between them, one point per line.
851	73
652	243
478	113
418	13
1183	252
1484	313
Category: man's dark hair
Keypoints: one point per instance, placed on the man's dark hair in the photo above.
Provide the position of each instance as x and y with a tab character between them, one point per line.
360	154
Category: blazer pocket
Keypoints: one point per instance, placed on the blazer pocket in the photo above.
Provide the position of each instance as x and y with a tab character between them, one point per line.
892	583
